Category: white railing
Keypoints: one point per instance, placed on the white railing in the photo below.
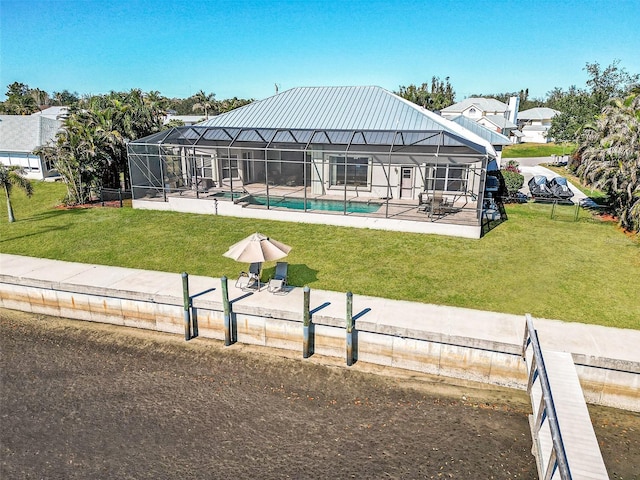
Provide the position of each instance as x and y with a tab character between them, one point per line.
545	417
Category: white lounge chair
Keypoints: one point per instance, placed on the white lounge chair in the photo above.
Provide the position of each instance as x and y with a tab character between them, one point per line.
278	283
250	280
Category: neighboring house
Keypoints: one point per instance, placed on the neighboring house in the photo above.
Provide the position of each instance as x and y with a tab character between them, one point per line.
358	156
498	123
496	139
55	113
535	123
185	119
476	108
489	112
20	135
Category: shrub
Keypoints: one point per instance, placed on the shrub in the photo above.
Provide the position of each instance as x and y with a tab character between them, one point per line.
512	166
513	181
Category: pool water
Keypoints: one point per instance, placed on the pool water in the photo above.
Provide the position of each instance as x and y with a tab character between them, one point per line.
228	194
326	205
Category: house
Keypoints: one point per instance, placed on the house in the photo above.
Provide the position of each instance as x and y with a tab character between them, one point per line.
476	108
355	156
498	123
20	135
489	112
535	123
54	112
185	119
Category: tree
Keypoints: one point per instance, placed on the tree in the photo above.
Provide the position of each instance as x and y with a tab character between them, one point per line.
438	95
232	103
204	102
78	156
12	176
580	107
90	151
610	158
576	108
65	98
19	100
610	82
40	97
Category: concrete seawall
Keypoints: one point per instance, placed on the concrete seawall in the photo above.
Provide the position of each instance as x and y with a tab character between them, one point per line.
448	341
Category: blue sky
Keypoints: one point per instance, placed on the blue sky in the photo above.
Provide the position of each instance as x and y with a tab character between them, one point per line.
243	48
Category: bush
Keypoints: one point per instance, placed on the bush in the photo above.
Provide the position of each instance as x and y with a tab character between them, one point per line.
513	181
512	166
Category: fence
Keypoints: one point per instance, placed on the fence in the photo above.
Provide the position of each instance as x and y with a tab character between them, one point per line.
112	194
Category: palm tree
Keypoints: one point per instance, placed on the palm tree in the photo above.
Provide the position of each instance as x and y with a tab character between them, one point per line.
204	102
40	96
610	151
10	177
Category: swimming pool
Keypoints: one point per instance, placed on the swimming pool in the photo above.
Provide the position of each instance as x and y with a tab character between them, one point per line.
228	194
325	205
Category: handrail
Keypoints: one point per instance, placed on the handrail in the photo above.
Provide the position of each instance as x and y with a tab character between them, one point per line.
558	456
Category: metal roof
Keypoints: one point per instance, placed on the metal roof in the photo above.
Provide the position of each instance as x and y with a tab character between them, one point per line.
538	113
499	121
331	108
482	103
25	133
333	115
491	136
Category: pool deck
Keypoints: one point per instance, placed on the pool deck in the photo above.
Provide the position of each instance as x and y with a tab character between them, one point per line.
397	214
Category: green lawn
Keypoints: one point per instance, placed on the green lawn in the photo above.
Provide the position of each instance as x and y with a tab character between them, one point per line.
537	150
586	271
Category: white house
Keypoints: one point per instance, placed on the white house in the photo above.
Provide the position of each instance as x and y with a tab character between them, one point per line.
498	123
488	112
20	135
476	108
53	112
535	123
357	156
185	119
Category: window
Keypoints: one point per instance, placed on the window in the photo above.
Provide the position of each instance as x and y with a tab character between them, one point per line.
450	178
354	173
230	167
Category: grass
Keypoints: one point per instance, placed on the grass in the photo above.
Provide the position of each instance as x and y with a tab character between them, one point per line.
585	271
522	150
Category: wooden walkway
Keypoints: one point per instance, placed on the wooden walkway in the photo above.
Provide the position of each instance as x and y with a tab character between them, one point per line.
575	453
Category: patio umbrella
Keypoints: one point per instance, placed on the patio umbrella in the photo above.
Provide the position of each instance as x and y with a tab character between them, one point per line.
257	248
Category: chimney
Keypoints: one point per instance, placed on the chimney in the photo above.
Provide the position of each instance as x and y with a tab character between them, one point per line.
514	104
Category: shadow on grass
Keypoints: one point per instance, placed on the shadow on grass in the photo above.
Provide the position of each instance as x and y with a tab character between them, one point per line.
7	238
299	274
55	213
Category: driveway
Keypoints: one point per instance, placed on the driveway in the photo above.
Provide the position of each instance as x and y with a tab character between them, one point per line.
530	166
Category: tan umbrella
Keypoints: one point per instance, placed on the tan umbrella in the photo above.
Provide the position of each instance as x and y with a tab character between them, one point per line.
257	248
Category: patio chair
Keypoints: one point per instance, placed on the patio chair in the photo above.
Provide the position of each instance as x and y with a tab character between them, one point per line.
441	205
278	283
250	280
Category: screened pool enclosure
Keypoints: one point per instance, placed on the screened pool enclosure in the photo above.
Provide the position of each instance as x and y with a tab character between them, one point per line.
427	176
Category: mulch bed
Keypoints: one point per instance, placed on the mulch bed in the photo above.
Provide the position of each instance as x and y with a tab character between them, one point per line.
111	204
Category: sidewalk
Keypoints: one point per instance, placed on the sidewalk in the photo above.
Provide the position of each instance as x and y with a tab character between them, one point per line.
593	343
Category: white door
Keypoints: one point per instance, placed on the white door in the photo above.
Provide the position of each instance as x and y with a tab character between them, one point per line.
406	182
